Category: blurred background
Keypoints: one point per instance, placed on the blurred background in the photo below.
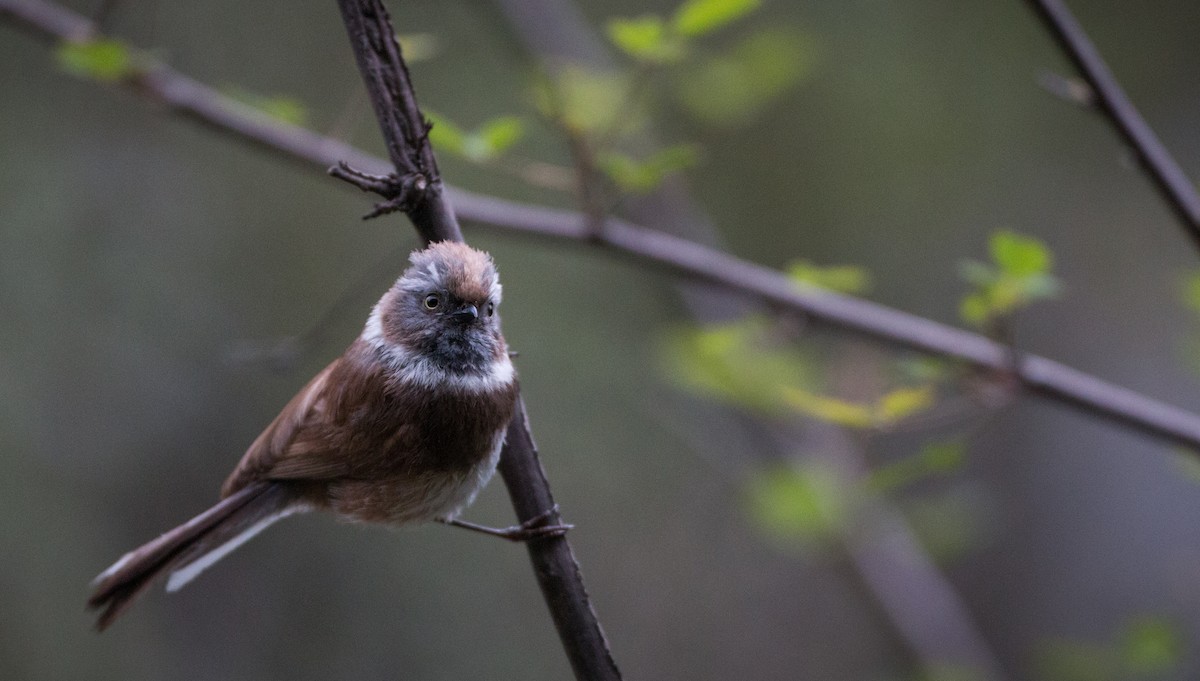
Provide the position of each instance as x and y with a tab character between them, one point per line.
737	515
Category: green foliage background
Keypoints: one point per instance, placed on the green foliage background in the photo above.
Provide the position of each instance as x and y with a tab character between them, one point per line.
139	253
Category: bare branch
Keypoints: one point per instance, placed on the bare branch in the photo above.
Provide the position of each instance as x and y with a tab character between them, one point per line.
418	192
1176	189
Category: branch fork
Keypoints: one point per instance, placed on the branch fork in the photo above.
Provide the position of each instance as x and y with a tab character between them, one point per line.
401	193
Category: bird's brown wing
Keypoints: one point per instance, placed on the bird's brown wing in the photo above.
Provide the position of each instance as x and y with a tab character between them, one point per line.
301	443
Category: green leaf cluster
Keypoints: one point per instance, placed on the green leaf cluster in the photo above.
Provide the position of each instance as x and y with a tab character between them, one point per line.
739	362
485	143
747	363
102	59
656	40
1018	275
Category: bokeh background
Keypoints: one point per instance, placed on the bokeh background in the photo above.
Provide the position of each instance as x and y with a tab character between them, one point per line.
144	259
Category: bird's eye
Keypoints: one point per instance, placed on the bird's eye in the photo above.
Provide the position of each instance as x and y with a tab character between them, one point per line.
432	302
491	309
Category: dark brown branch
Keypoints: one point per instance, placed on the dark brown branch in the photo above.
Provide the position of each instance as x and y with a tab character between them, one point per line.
1042	376
419	194
1174	185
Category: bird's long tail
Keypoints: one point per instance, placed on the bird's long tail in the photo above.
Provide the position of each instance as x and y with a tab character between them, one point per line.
189	549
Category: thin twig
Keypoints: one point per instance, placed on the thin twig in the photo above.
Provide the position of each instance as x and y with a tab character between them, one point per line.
1169	178
666	253
406	132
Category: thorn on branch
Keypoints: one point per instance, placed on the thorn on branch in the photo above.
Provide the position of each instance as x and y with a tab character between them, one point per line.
402	192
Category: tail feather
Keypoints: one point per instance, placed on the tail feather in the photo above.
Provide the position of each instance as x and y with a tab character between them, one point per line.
190	548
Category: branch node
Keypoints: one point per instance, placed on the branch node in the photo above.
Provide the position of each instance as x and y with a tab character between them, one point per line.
402	192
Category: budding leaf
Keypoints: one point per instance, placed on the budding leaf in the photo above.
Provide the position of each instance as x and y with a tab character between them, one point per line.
645	175
806	504
903	402
1018	255
732	87
646	39
586	100
830	409
280	107
445	135
500	134
698	17
1019	275
102	59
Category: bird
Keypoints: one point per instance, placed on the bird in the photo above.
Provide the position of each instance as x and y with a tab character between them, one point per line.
405	426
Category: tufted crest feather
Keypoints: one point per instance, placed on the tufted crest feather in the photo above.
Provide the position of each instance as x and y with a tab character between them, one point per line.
466	273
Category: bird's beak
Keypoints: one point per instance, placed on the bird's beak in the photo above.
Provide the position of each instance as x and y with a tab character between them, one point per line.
466	314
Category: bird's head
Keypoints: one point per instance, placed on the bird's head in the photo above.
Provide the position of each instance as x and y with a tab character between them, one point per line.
443	311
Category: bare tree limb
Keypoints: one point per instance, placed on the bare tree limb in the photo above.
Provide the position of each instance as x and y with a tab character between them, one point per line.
418	192
1176	189
1043	377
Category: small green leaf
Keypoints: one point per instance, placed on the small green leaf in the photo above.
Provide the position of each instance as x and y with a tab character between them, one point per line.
806	504
1150	646
418	46
922	369
586	100
1040	285
698	17
944	457
902	403
102	59
496	137
977	273
848	279
644	176
445	135
975	310
280	107
732	88
934	458
646	39
830	409
1019	255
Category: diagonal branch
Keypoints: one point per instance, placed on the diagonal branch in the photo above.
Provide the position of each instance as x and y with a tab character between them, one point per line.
1176	189
673	255
405	130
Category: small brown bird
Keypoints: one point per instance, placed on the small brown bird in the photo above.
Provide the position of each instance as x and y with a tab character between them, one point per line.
406	426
